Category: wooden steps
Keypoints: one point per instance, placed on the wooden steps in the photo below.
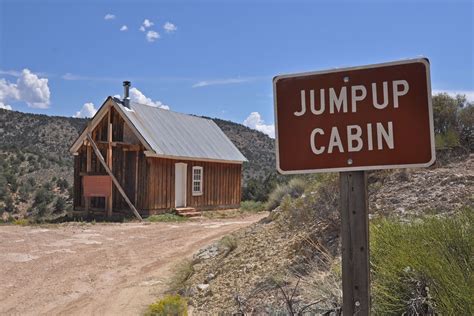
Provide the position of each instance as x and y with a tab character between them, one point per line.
188	212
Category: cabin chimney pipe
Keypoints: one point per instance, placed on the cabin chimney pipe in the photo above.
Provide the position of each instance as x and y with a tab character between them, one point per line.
126	94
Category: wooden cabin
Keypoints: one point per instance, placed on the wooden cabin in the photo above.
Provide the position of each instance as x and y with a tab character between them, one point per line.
149	160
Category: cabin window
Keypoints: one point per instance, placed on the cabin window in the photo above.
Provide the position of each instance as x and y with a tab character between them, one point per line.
197	180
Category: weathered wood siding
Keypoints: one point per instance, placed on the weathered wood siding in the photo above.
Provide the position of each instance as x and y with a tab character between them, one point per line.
221	185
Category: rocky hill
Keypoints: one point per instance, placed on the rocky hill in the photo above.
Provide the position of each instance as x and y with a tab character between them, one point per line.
34	151
293	256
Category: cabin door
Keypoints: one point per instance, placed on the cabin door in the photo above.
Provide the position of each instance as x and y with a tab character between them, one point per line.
180	184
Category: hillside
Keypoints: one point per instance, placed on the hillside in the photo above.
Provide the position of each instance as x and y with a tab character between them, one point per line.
296	250
256	146
34	152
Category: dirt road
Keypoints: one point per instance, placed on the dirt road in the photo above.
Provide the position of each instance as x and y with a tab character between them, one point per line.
101	269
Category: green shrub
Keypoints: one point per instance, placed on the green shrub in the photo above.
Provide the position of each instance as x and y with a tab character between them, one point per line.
62	184
171	305
21	222
31	181
294	188
3	187
43	196
60	204
9	205
275	198
24	192
449	139
423	267
167	217
453	118
252	206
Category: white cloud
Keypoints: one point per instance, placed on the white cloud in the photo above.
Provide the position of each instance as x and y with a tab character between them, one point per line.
138	97
5	106
468	93
147	23
169	27
13	73
33	90
8	91
109	16
28	88
152	36
124	28
206	83
88	110
70	76
254	121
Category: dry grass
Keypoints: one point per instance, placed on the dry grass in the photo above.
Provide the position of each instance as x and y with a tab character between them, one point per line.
182	272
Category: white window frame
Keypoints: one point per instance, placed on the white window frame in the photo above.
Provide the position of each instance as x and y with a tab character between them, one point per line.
200	181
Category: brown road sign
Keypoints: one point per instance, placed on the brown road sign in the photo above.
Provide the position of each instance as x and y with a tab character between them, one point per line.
361	118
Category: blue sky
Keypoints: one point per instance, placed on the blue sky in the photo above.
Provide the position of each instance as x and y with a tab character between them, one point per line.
215	58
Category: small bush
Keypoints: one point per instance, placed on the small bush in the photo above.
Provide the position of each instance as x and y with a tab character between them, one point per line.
60	205
9	205
182	272
423	268
21	222
275	198
252	206
62	184
171	305
229	242
43	196
166	218
24	192
294	188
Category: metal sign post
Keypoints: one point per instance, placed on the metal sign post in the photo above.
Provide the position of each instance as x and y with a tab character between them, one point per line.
350	120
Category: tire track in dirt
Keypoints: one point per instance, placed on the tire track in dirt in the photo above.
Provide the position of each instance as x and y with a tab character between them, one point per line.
102	269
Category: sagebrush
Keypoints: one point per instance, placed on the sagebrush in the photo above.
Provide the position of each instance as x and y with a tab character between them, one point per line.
423	267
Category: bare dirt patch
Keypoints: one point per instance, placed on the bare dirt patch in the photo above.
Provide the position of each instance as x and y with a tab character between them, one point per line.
102	269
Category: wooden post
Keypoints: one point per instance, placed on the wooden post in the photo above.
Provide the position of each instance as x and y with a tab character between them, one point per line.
109	162
355	243
88	170
136	178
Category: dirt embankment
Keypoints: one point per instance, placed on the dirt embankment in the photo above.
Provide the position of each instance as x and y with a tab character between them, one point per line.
102	269
306	257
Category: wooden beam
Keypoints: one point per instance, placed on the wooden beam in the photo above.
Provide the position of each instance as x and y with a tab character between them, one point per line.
88	169
109	162
125	146
355	243
136	177
114	180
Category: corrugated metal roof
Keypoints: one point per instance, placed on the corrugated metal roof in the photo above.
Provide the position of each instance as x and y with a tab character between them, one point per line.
175	134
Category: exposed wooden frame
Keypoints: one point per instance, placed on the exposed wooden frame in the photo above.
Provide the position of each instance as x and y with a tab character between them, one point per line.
114	180
124	146
88	169
109	203
101	113
136	177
